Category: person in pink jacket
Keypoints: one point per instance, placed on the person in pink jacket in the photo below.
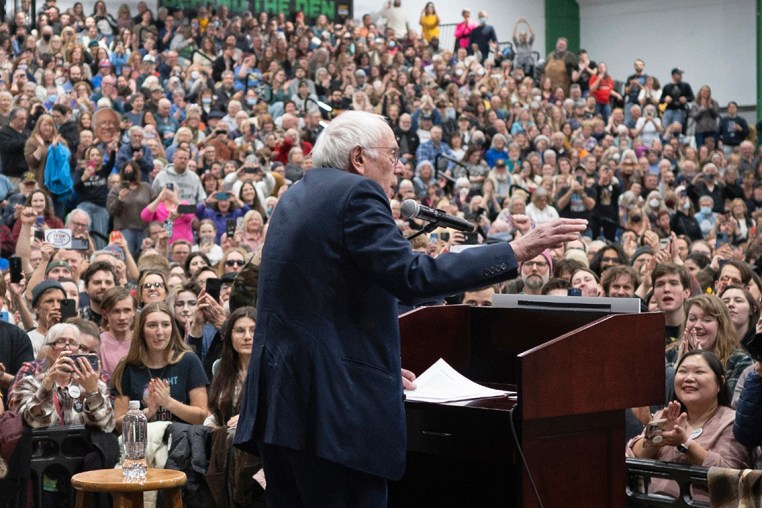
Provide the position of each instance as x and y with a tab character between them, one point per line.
463	30
165	209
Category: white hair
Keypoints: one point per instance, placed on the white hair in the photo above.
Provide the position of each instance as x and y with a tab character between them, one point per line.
349	130
58	331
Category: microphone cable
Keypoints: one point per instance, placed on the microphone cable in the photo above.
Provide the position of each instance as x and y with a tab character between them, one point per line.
523	459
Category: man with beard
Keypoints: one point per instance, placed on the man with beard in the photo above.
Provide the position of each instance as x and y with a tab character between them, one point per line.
99	278
406	137
536	272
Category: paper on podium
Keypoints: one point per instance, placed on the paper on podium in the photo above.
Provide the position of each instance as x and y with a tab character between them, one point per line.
442	383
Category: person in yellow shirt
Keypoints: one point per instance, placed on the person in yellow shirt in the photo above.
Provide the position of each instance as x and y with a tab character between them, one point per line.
429	22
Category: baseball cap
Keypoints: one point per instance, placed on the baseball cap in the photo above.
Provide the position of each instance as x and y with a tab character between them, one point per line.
28	178
149	58
677	70
44	286
57	264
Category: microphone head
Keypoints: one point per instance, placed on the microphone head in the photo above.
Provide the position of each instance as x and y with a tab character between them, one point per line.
409	208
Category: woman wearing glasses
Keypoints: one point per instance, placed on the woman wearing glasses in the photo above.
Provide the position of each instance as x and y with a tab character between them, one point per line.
232	261
59	390
157	356
152	287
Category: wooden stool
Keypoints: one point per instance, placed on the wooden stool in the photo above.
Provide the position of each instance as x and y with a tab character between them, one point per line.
128	494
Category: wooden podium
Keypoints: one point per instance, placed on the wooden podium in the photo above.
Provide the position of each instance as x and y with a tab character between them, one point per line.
575	374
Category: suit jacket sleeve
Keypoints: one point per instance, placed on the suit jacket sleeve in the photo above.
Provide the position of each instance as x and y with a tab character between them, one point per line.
377	246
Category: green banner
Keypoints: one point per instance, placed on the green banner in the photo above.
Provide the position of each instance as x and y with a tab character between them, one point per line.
333	9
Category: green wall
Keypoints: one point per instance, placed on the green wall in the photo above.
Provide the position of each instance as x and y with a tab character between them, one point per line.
562	20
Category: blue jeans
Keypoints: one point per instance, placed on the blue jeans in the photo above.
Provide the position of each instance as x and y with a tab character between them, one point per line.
604	110
673	115
134	239
99	218
62	204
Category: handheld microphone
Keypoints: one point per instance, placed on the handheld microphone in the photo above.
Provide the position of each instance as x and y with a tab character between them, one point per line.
413	210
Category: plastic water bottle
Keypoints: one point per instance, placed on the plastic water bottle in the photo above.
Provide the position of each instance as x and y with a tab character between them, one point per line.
134	437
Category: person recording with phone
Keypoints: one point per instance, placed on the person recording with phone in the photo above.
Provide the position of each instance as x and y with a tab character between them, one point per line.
126	201
220	208
135	150
166	210
57	389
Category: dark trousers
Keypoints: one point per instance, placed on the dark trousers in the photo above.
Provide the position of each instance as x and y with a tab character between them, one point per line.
298	479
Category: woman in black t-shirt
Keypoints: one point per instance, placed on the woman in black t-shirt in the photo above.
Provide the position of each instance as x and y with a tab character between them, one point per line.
161	372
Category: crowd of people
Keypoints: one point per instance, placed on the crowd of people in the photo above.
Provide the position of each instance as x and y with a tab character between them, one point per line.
164	141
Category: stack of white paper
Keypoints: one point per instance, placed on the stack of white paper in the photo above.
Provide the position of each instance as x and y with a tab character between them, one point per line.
442	383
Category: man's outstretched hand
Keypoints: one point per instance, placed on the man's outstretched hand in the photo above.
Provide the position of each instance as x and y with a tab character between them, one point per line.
547	236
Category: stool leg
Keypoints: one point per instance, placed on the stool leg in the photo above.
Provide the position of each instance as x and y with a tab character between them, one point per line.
82	499
128	499
173	497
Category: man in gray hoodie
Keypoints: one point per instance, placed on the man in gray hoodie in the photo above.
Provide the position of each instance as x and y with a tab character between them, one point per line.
187	184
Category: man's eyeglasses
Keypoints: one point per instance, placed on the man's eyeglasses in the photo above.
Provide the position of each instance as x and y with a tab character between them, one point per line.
539	264
234	262
394	154
149	285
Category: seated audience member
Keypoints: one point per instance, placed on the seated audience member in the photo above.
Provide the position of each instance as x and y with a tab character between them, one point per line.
620	281
699	424
118	307
224	405
57	390
157	356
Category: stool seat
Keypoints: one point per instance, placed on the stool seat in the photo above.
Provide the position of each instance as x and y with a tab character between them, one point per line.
126	493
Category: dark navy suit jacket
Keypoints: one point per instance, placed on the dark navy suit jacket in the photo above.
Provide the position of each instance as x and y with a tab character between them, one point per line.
325	371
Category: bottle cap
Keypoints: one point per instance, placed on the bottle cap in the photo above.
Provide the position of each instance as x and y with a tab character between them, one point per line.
134	404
